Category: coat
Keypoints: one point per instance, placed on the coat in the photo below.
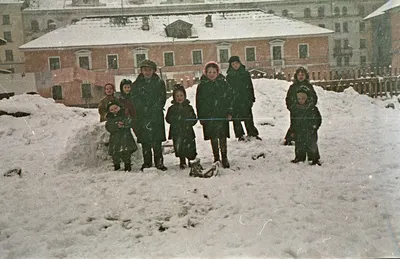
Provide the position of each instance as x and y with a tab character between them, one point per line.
149	97
306	120
214	104
102	108
242	92
291	96
127	103
182	118
121	139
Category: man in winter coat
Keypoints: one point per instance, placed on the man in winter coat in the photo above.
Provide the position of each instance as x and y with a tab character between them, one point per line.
301	78
239	80
149	97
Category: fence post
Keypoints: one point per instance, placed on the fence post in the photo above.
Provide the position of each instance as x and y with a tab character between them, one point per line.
331	75
325	75
380	88
319	75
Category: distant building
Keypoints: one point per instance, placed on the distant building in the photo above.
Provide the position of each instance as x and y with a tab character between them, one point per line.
180	44
11	30
386	37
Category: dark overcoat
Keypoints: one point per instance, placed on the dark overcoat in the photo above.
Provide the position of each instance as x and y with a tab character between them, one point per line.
291	96
214	104
121	139
182	118
242	92
149	97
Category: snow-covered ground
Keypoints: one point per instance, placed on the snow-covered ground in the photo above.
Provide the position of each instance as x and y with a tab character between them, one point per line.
70	204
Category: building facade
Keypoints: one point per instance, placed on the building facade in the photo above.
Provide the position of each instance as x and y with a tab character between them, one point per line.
11	30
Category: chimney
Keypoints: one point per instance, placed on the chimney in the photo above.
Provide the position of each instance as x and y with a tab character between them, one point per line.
145	23
209	23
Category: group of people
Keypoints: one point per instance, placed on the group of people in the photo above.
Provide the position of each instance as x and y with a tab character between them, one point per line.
219	99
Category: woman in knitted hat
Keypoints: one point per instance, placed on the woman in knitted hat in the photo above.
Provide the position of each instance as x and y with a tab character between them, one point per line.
239	80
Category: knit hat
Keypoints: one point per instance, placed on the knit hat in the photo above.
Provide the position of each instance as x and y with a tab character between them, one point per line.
233	59
303	70
148	63
113	102
211	64
303	89
178	88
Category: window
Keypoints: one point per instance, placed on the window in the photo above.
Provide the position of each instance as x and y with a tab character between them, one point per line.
345	27
250	54
336	12
7	36
346	61
9	55
346	44
277	52
84	59
339	61
361	11
6	19
303	50
54	63
168	58
321	25
307	13
139	55
338	44
51	25
337	27
197	57
344	11
285	13
56	91
363	43
224	52
112	61
363	60
86	91
34	26
321	12
362	26
270	12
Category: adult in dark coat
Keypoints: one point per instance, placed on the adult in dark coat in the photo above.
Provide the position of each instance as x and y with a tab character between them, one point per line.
301	78
214	110
149	97
121	144
182	118
305	123
239	80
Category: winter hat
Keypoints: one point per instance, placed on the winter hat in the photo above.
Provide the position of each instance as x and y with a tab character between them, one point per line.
113	86
211	64
113	102
233	59
148	63
178	88
303	89
124	82
302	69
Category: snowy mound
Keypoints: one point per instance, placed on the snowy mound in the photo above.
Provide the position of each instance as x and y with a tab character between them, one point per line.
69	204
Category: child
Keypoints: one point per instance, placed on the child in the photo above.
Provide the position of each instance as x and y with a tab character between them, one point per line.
121	144
213	103
306	121
239	80
109	90
126	98
182	118
149	96
301	78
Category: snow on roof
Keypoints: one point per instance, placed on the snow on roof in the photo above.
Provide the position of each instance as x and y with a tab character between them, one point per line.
384	8
66	4
226	26
11	1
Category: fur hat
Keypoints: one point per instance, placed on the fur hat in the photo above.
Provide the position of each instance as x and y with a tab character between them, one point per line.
113	102
211	64
148	63
304	70
234	59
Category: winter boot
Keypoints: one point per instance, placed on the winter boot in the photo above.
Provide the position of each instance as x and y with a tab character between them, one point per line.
215	149
224	153
182	164
128	167
117	167
316	162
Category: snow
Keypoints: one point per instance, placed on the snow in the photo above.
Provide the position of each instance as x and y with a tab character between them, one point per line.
226	26
70	204
384	8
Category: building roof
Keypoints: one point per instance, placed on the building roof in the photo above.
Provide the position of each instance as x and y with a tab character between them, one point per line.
384	8
11	1
226	26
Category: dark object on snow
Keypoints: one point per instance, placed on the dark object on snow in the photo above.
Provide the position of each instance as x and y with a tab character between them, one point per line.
13	172
15	114
390	105
257	156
